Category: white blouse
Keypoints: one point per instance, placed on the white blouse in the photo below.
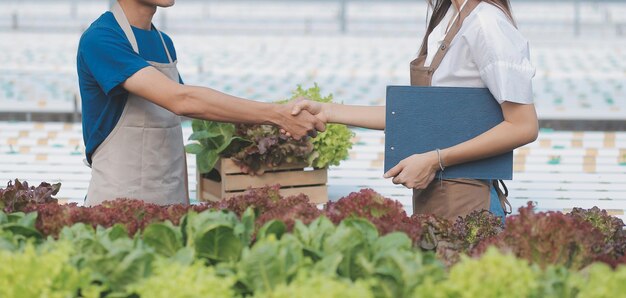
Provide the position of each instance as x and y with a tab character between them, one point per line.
488	51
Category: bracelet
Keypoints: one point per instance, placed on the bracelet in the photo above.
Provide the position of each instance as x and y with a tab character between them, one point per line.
439	158
441	167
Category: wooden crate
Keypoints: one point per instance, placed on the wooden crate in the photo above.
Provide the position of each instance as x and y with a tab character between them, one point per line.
228	181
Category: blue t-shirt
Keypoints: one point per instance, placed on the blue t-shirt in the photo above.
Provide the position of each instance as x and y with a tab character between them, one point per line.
105	60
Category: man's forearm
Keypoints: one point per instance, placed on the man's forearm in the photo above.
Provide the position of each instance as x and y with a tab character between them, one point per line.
198	102
209	104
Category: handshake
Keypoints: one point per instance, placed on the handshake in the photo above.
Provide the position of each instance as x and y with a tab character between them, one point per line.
302	117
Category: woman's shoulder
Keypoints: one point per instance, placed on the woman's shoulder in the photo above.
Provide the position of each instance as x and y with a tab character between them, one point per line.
487	14
490	22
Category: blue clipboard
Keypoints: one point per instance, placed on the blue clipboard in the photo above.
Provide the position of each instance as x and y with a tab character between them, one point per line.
421	119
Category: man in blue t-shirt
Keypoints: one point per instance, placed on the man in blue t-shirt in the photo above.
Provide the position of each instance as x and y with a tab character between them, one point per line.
132	97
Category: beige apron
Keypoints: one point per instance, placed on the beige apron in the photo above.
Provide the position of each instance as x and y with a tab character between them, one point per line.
143	157
449	198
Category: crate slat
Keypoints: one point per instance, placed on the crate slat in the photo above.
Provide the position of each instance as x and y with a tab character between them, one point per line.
227	166
294	179
316	194
284	178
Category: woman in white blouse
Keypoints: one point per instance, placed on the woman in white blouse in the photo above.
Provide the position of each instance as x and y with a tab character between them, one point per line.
468	43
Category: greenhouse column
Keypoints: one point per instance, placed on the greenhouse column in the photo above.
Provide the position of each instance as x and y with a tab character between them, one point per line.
343	15
576	17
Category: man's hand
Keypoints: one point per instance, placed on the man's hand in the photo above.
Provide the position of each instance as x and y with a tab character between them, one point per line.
299	125
416	171
303	105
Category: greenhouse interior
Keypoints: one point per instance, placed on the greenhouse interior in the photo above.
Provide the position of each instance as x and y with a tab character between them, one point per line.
297	148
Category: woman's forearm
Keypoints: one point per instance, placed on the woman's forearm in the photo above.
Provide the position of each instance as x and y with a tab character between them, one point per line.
500	139
372	117
519	129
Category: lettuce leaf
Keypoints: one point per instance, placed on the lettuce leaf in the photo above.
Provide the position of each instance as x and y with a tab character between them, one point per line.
215	236
43	271
494	275
210	140
602	281
17	195
171	279
166	239
113	259
269	263
305	284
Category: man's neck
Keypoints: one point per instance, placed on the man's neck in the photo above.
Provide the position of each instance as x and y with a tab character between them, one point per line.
138	14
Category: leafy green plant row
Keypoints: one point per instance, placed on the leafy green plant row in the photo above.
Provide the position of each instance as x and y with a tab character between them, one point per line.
210	244
261	244
574	240
214	254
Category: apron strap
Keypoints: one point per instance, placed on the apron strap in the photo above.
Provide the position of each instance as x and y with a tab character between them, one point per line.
122	20
467	8
169	57
503	196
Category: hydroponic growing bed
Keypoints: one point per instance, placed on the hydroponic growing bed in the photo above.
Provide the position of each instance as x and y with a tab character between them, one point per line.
263	245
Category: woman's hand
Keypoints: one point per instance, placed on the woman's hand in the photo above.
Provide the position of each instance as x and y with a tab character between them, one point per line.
416	171
318	109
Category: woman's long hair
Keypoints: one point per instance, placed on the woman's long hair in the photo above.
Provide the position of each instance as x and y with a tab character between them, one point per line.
440	8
